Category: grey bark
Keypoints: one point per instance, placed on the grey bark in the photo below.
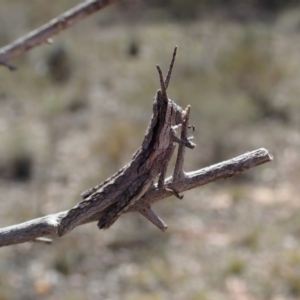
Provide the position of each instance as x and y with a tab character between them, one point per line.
42	34
35	230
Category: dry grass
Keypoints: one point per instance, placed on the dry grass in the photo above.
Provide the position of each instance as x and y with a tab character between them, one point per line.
238	237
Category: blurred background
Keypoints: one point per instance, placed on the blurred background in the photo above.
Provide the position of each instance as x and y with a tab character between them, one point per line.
76	110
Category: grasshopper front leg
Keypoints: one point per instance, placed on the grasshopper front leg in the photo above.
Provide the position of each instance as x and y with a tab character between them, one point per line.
178	169
183	142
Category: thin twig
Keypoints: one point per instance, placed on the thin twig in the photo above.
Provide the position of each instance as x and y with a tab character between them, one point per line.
42	34
47	225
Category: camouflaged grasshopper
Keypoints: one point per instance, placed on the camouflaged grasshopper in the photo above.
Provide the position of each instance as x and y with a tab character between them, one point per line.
122	190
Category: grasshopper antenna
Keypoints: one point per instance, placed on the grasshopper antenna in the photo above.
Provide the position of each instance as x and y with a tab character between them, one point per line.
168	77
162	83
165	83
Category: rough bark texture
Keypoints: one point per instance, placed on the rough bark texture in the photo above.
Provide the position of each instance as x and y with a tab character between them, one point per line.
118	193
131	188
32	230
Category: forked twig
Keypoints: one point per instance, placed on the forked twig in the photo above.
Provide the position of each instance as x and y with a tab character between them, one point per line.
47	225
131	188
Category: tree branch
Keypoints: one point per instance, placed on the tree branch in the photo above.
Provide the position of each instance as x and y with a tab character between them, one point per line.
33	230
42	34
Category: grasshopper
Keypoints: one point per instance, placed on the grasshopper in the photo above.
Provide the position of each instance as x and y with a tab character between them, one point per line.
122	190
